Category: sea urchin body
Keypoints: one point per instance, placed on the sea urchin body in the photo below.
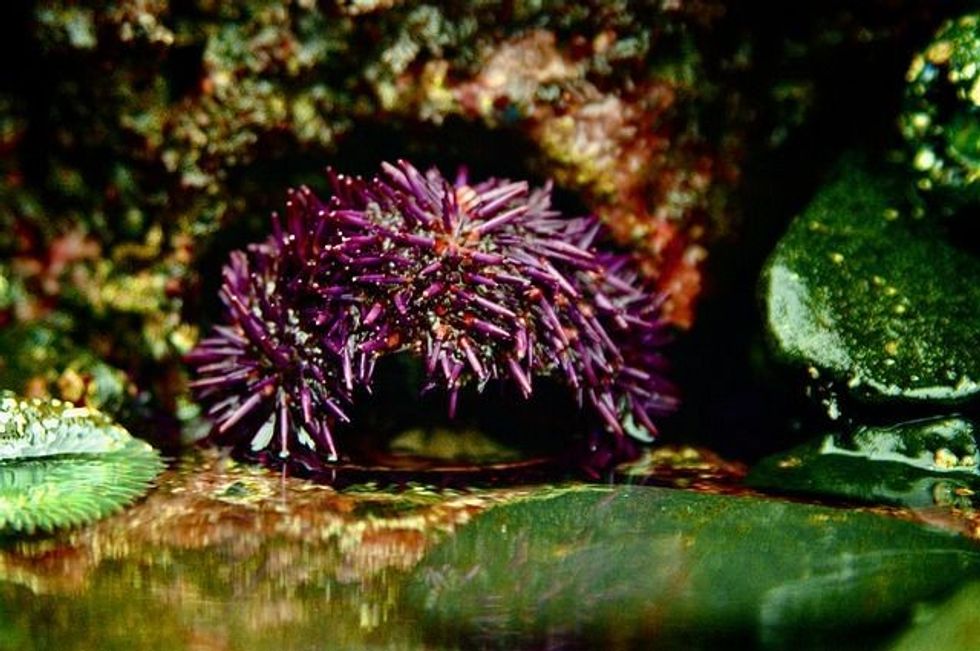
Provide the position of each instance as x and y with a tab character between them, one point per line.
481	282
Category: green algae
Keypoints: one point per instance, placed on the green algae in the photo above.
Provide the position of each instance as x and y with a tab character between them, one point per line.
862	290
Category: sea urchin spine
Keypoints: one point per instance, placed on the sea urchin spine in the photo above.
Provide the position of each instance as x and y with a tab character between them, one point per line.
482	282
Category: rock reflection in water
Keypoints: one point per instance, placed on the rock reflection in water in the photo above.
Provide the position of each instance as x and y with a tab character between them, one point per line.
227	556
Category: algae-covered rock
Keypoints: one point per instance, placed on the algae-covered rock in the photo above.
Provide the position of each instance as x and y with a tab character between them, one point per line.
862	290
920	464
62	465
941	119
602	568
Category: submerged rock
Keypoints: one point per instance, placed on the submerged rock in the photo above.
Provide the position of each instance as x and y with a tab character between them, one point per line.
919	464
601	567
862	290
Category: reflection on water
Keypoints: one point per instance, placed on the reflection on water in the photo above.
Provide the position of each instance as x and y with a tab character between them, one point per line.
226	556
624	567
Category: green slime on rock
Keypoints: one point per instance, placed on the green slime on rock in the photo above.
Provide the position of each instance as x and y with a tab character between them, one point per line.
861	289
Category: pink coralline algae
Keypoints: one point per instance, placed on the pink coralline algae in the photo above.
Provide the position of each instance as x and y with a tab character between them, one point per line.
482	283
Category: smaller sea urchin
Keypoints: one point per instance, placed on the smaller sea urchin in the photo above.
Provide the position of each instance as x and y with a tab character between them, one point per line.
481	282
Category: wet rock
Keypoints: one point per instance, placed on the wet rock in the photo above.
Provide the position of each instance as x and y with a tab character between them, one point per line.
601	567
863	291
920	464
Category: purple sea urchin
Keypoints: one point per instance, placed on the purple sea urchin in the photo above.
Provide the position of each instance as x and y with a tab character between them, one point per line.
481	282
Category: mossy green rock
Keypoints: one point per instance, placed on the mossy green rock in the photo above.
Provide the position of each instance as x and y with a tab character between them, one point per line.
862	290
62	465
919	464
614	567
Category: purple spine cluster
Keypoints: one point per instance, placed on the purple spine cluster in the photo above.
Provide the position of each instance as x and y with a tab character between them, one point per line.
482	282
